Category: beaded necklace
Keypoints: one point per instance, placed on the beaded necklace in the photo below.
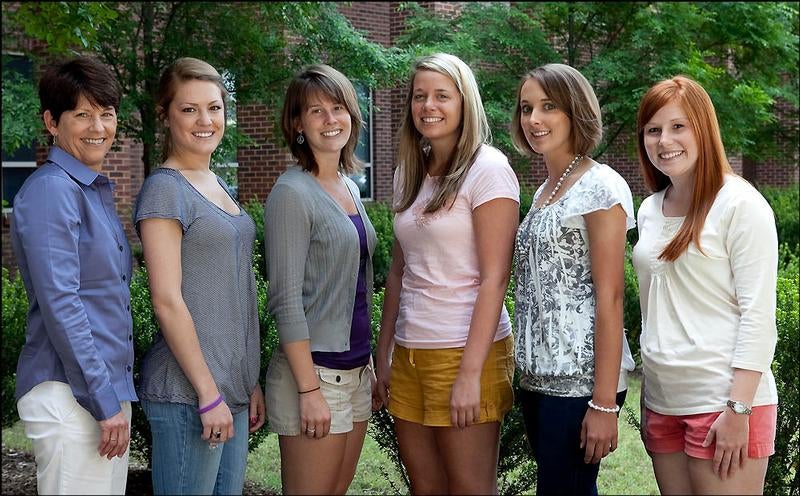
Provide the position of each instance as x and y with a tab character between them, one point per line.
575	161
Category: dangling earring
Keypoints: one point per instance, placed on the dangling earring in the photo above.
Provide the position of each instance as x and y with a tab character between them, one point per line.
55	140
301	139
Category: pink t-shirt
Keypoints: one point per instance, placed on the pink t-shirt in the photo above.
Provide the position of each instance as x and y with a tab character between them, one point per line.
441	276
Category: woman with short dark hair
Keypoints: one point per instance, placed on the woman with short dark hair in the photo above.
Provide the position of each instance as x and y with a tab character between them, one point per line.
74	376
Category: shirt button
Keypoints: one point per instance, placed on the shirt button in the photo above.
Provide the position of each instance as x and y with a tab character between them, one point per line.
124	277
130	337
128	307
129	368
120	247
338	378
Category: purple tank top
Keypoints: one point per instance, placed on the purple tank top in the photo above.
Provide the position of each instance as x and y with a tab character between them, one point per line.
360	330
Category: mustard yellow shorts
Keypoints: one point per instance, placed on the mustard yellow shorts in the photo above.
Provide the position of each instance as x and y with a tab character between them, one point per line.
422	379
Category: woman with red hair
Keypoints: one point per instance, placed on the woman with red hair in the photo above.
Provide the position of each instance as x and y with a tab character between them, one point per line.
707	266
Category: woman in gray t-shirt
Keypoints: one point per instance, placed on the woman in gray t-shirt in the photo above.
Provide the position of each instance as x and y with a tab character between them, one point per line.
199	381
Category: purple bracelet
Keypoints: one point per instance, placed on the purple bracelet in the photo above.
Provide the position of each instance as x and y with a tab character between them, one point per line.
210	406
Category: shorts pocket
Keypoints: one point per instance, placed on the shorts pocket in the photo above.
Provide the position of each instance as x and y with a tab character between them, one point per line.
334	377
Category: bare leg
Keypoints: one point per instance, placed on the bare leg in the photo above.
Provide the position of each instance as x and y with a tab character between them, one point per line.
748	479
311	466
672	473
468	473
421	457
352	451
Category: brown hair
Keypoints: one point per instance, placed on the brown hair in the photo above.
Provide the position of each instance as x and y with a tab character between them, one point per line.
62	84
182	70
712	164
571	92
320	79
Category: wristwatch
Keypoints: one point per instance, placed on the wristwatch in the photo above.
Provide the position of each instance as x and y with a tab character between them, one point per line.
739	407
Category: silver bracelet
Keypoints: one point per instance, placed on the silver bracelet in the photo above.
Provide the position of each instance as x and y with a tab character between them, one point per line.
602	408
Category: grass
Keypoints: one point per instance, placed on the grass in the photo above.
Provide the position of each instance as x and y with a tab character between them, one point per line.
626	471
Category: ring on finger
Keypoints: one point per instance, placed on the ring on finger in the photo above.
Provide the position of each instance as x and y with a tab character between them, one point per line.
217	434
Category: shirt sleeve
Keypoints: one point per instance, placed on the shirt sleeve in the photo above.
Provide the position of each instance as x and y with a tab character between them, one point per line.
287	236
752	244
49	234
491	177
161	197
602	194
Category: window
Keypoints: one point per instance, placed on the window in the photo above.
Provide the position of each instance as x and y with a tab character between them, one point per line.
20	164
364	148
223	161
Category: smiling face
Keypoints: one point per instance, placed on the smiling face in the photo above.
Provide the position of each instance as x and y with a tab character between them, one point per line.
670	142
85	132
436	107
546	127
326	125
196	118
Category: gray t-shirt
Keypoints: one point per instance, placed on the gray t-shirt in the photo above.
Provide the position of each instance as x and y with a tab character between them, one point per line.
218	287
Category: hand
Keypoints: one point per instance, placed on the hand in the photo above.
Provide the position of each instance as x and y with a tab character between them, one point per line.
377	402
598	435
465	399
384	375
114	436
731	432
315	415
217	424
258	408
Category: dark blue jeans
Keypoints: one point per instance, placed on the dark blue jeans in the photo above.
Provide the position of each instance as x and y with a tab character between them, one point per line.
553	427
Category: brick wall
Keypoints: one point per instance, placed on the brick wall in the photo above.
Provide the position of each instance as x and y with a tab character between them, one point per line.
261	164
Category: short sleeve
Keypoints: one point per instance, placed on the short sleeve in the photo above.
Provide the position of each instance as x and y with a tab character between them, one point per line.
490	177
162	197
600	191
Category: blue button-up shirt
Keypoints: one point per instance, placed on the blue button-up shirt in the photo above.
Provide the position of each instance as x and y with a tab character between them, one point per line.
75	262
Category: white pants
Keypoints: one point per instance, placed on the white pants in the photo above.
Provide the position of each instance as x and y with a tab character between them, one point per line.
65	440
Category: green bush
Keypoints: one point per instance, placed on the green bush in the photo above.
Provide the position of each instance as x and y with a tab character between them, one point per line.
255	209
15	311
382	217
783	476
631	310
784	203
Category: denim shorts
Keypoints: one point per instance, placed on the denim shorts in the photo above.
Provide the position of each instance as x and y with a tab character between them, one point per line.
348	393
183	463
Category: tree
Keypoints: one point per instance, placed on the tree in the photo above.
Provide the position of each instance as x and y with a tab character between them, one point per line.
745	55
256	45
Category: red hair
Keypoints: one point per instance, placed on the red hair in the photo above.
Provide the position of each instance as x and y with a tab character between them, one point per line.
711	166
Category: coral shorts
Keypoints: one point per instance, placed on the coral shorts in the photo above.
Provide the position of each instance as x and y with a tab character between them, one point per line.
674	433
422	380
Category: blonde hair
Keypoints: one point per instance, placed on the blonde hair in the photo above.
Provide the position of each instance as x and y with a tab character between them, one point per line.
182	70
572	94
711	166
474	132
320	79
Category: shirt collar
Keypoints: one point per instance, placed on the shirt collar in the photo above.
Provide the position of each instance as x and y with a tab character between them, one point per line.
72	165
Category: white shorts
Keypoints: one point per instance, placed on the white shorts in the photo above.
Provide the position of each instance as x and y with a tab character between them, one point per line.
348	393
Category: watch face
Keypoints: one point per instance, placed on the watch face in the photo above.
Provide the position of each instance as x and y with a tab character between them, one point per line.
738	408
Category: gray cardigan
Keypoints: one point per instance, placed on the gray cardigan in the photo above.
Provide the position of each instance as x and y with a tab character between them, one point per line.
312	257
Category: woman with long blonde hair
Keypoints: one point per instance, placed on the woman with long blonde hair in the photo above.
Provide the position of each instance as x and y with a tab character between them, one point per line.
444	350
